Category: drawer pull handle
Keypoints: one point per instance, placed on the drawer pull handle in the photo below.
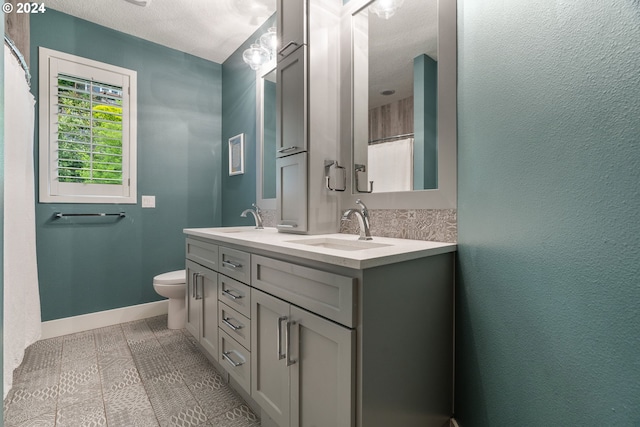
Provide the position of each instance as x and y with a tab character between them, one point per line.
287	149
227	321
226	355
229	295
291	43
287	226
278	337
231	264
287	343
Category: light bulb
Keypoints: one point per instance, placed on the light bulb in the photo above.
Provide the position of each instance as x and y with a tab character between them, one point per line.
386	8
255	56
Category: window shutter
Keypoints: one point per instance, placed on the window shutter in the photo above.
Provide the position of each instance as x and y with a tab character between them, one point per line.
89	138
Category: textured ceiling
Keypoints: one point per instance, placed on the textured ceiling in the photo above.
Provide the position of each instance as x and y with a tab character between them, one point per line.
206	28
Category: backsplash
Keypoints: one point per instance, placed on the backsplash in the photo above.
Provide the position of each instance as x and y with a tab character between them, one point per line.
437	225
268	217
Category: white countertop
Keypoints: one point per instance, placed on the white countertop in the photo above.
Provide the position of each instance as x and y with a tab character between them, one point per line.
343	249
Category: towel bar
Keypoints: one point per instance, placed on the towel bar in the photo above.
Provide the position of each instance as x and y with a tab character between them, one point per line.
64	215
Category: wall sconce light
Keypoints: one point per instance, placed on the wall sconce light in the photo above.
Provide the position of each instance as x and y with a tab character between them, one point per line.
255	56
386	8
269	40
262	51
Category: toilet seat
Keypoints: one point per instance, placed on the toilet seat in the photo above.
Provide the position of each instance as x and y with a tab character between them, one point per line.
177	277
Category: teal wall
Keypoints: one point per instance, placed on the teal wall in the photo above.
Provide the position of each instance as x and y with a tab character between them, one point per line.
239	116
548	315
88	266
425	107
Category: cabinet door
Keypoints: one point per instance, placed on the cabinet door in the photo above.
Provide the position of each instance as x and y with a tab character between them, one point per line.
322	377
193	305
207	292
291	189
270	374
202	306
291	104
292	25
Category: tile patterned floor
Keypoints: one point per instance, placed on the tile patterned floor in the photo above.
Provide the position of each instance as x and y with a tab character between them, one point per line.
135	374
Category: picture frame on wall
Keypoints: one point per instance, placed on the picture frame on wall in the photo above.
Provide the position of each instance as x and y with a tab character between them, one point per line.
236	155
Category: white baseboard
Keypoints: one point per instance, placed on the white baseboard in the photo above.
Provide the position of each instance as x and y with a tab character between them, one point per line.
100	319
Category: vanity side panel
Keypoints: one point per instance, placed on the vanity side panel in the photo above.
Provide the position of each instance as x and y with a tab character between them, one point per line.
405	344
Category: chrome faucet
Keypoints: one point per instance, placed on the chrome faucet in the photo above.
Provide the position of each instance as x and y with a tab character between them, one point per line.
256	215
363	220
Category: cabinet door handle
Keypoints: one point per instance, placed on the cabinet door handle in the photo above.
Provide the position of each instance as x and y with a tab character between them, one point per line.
200	295
226	355
231	264
193	285
194	288
227	321
284	150
287	343
291	43
278	337
229	295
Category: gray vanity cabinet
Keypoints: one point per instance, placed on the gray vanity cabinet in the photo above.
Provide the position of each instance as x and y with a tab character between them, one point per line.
292	26
291	185
302	365
307	119
322	343
291	104
202	306
292	144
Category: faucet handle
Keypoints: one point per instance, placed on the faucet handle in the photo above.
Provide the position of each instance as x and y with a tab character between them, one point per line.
258	210
363	207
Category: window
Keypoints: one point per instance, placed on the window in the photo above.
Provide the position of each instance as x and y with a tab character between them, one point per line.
87	130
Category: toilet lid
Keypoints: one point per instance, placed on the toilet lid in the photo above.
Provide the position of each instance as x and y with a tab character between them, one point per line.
171	278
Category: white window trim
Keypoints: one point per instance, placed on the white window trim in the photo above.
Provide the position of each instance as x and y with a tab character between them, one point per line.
50	191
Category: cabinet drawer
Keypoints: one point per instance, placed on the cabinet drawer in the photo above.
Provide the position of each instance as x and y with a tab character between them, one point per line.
235	264
235	324
235	294
236	360
203	253
328	294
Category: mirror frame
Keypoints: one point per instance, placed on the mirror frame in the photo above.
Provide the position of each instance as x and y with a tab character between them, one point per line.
445	196
260	200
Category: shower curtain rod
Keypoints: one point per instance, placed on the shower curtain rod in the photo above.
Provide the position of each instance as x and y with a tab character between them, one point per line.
18	55
391	138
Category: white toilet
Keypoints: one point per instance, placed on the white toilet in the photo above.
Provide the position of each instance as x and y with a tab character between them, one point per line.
172	285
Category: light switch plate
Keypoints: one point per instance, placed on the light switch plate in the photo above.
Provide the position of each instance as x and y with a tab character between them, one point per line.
148	201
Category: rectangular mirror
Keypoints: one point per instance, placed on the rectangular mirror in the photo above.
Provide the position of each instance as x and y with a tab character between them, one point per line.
402	102
395	82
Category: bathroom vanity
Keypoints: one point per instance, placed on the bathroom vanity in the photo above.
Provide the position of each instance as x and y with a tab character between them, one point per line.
327	330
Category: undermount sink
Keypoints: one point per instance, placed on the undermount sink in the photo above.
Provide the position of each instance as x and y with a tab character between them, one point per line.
339	244
235	230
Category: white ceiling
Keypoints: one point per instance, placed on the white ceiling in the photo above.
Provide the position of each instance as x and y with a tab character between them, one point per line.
394	43
210	29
